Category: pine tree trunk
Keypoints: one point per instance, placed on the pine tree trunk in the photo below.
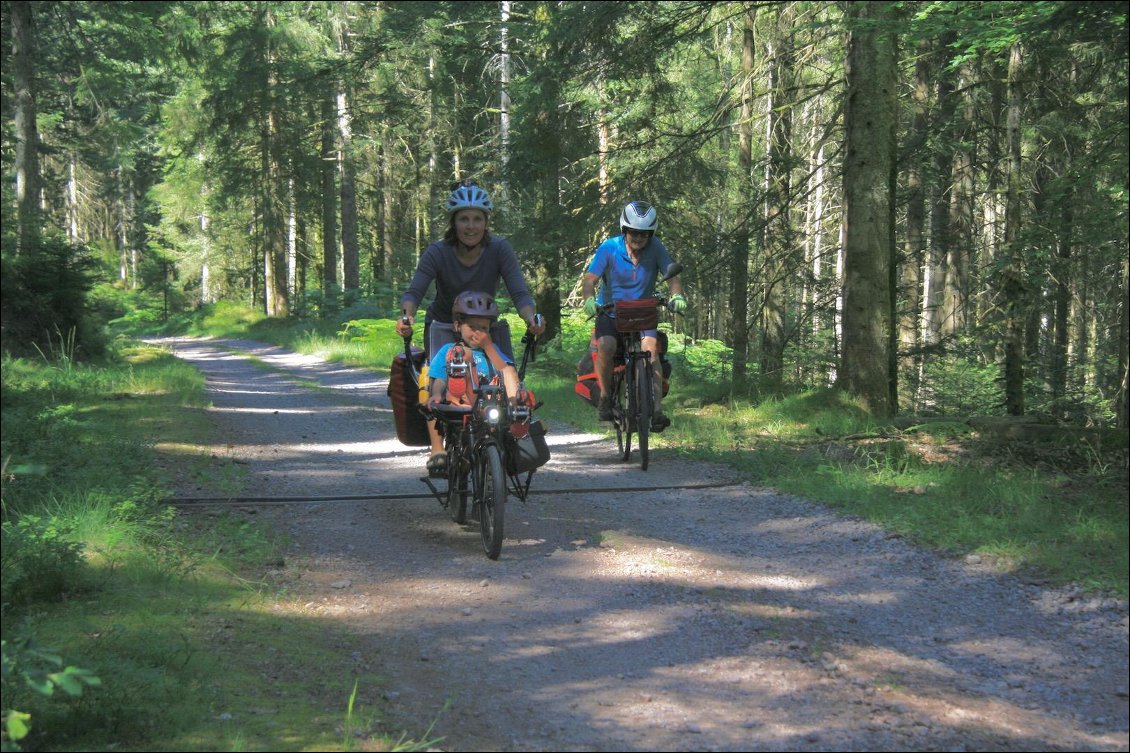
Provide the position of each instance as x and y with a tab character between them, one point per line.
504	105
273	191
1013	287
28	178
779	230
955	295
350	250
1122	397
739	268
329	208
870	119
939	242
911	263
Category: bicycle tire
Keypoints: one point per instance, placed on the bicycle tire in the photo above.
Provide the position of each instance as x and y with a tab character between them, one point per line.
644	398
456	487
626	401
490	497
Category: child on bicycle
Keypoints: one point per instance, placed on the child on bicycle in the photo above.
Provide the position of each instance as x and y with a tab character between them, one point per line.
629	265
458	367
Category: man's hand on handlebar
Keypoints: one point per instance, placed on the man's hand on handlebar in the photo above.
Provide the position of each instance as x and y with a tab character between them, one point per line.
677	303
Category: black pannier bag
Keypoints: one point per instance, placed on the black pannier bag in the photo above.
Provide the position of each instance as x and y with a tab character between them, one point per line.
525	453
404	394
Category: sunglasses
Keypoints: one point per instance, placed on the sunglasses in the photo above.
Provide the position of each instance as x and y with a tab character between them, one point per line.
463	184
639	233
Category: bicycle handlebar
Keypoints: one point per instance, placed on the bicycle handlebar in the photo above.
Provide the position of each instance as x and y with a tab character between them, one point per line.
660	302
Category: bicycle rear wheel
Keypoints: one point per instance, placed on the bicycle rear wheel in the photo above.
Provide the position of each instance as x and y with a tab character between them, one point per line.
644	397
490	498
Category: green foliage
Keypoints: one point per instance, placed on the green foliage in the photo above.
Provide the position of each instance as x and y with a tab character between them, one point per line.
225	319
27	666
378	338
941	429
959	386
705	361
138	312
43	293
40	559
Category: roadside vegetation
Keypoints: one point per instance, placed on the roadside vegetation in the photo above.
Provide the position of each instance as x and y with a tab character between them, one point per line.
128	625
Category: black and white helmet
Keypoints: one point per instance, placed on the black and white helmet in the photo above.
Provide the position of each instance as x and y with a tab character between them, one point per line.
639	215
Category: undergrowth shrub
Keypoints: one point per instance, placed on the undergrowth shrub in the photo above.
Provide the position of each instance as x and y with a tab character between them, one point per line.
40	559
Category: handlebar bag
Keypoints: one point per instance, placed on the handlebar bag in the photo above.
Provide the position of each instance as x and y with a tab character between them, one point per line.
633	316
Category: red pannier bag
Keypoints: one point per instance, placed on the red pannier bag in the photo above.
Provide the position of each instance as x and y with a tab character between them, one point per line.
404	394
587	388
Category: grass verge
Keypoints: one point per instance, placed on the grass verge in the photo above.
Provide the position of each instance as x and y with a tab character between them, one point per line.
130	626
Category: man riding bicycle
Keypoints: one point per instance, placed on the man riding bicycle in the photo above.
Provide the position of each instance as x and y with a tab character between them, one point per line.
628	266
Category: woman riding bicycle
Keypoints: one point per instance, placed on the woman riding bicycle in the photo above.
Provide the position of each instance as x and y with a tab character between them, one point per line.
467	258
628	266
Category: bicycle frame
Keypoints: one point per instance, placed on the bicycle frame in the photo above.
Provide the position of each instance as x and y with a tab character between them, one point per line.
633	391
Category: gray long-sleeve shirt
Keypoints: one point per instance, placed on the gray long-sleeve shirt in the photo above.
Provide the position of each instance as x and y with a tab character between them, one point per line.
438	263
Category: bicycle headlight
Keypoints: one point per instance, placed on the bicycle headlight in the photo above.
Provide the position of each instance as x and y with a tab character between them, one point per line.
489	412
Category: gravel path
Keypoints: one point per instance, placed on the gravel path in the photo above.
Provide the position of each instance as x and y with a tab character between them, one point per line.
730	618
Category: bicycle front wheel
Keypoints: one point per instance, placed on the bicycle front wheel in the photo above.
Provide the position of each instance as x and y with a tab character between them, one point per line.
644	397
490	498
620	419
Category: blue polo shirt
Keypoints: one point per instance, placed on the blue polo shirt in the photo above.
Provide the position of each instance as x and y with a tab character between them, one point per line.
623	280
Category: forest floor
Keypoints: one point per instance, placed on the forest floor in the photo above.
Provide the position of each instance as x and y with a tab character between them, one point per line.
724	618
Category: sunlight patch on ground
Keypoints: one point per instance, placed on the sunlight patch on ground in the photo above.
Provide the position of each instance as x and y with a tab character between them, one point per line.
639	559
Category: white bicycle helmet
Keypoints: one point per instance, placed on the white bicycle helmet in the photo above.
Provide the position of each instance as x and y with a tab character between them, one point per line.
639	215
468	195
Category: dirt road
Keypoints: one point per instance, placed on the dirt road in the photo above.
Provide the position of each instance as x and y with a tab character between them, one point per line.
729	618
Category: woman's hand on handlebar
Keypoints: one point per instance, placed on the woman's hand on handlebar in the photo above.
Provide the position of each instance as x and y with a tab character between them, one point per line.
404	325
537	325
